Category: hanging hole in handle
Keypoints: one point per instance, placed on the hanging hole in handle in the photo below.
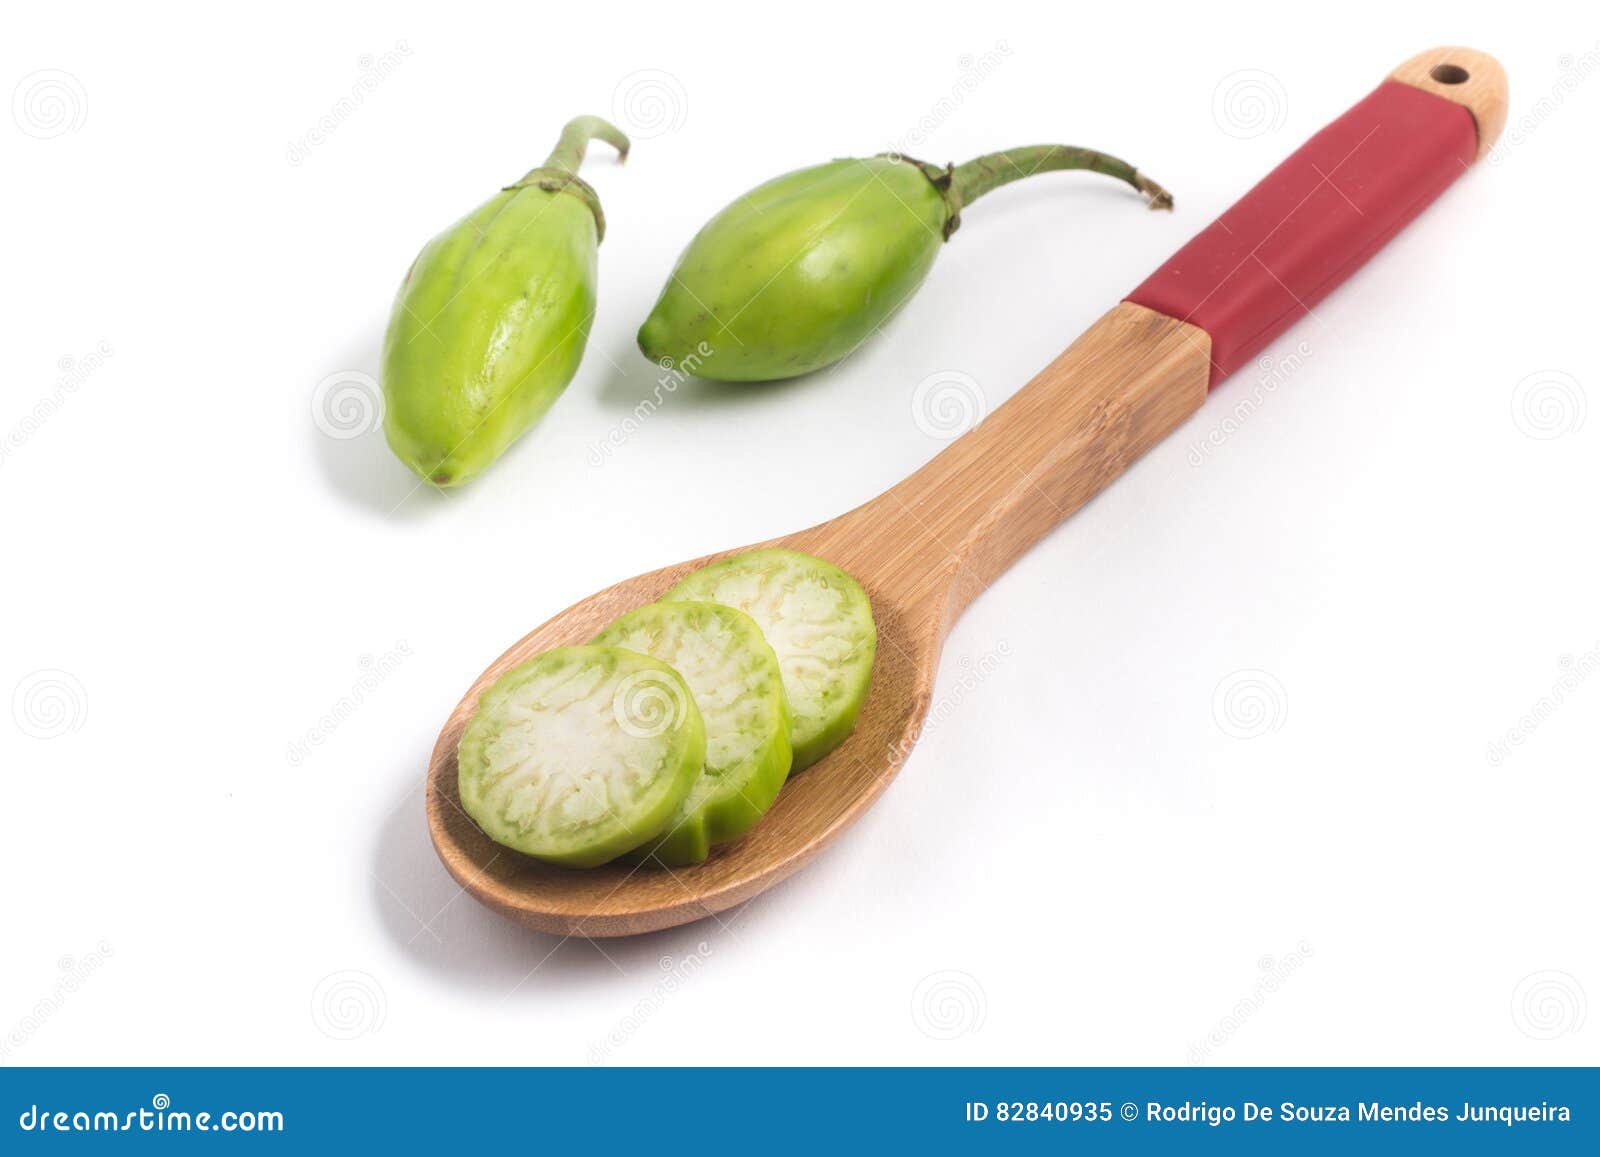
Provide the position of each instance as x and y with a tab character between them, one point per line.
1450	74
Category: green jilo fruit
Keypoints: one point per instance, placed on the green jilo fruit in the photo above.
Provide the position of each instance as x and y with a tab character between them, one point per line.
491	320
734	678
819	623
796	273
580	754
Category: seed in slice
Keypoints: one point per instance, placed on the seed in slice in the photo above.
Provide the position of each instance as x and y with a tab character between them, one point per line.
819	623
580	754
734	678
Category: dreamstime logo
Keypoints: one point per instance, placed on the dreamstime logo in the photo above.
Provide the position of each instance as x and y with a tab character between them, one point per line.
74	372
1550	1004
1271	372
1574	671
1249	103
75	971
972	72
374	671
674	975
1548	404
947	404
950	1004
374	70
649	103
349	1004
347	404
1574	70
649	703
1249	703
972	673
1275	971
49	103
674	372
49	704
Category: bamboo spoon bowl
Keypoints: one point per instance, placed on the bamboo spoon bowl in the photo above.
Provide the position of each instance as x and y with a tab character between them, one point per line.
621	899
922	551
925	548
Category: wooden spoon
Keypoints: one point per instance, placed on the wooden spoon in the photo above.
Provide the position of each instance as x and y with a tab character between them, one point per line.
924	549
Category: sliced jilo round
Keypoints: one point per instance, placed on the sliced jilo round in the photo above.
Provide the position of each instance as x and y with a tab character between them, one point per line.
819	623
734	678
580	754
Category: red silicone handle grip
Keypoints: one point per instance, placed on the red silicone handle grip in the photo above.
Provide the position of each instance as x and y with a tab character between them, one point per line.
1315	218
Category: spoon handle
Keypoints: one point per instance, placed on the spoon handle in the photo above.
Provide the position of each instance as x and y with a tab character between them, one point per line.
1335	202
1137	373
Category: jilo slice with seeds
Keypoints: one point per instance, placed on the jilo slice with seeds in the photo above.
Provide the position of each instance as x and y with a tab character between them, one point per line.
734	678
818	621
580	754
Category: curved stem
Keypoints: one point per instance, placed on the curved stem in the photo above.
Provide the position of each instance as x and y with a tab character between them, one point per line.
559	173
983	174
575	138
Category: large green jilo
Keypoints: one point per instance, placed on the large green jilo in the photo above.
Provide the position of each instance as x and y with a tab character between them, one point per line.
491	320
798	272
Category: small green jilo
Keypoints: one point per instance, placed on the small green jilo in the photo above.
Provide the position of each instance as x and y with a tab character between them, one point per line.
799	271
491	321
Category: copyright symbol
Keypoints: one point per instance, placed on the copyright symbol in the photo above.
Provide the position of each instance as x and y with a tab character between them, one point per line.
1130	1111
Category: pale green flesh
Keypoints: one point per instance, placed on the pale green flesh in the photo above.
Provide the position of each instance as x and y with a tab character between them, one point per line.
580	754
818	622
735	680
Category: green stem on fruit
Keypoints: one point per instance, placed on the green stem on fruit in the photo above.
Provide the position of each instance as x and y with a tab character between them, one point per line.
574	142
559	173
964	184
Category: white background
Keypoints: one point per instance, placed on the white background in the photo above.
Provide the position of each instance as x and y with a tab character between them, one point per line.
1099	855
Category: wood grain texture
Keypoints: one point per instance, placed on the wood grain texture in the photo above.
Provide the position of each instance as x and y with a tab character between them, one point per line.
1483	89
923	550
